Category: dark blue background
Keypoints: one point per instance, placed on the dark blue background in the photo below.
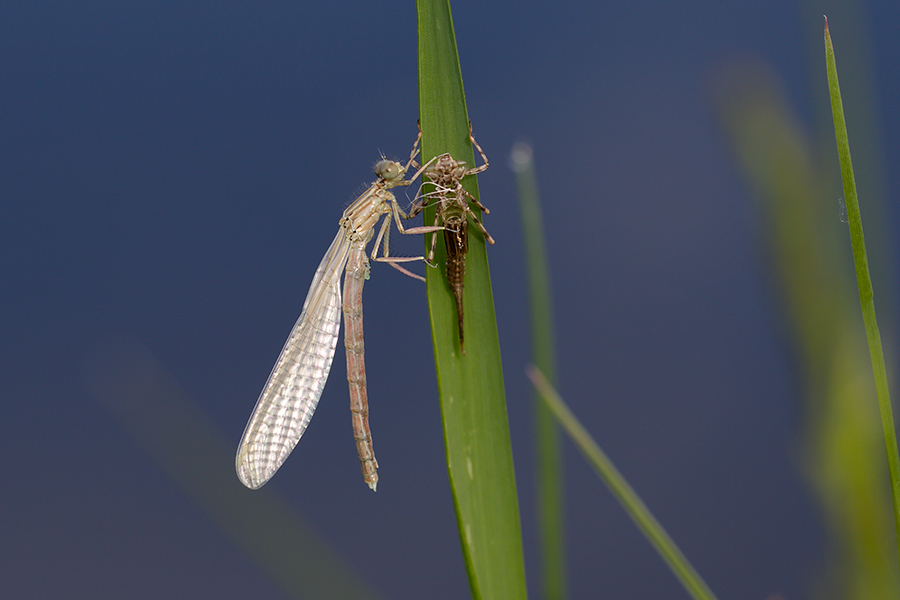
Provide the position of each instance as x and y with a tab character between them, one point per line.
174	171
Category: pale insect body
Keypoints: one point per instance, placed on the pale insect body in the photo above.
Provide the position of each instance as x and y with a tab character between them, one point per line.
451	201
290	396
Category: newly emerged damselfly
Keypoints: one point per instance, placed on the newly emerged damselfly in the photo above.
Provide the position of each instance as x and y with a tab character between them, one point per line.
290	396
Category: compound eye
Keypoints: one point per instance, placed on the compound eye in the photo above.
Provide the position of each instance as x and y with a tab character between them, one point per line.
388	169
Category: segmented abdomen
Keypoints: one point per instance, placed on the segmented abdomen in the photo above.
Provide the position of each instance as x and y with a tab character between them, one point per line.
457	242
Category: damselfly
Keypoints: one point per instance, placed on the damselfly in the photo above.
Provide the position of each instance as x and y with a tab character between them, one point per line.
451	202
289	398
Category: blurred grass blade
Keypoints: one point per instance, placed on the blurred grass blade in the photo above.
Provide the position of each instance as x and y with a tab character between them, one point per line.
123	375
473	403
623	492
863	280
550	516
842	452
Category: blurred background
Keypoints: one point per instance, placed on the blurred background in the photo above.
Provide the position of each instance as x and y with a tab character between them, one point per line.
171	173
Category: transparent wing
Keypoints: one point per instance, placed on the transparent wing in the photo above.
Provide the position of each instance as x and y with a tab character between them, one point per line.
290	396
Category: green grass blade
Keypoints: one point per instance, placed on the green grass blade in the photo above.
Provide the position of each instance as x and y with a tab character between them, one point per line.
623	492
840	449
473	402
550	516
863	279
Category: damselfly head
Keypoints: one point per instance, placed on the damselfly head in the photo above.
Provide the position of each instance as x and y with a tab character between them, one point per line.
389	170
440	164
446	170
